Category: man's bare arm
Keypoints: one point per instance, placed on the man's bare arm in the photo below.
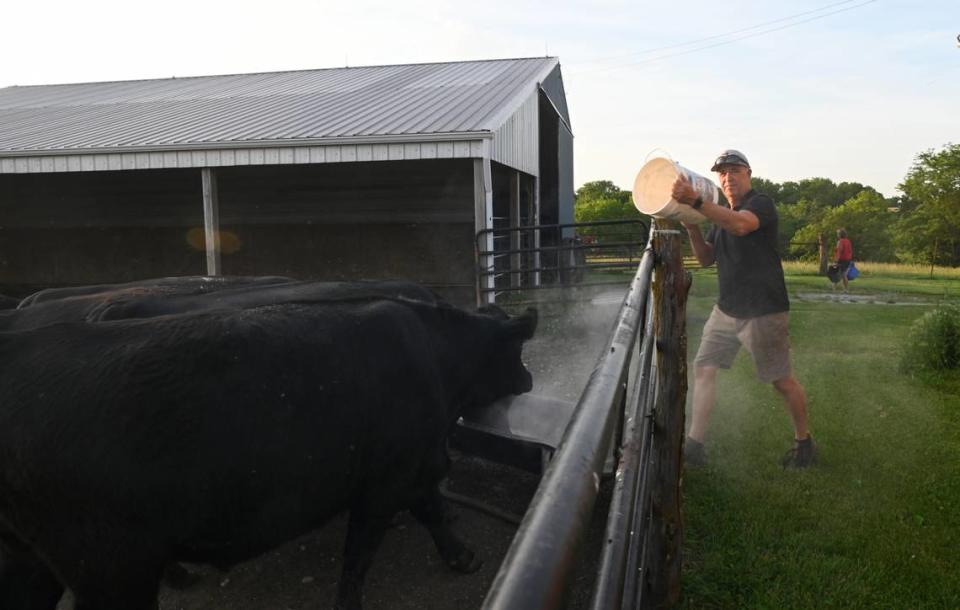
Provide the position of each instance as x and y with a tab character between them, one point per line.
742	222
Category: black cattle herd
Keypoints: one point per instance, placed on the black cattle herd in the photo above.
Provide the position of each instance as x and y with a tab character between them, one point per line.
209	420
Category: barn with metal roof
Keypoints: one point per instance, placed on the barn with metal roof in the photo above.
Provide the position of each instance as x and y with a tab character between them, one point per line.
367	172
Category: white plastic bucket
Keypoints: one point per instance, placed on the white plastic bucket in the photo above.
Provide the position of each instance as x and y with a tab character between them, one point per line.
653	191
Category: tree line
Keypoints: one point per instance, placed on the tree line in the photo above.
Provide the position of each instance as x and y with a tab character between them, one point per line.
921	226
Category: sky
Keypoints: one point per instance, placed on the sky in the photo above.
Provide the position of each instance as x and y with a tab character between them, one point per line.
851	91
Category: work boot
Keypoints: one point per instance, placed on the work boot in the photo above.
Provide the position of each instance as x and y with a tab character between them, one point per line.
694	453
803	454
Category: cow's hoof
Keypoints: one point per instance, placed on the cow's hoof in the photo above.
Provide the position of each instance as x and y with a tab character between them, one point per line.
467	562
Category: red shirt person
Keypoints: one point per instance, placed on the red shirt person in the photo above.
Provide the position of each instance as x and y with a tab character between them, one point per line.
844	255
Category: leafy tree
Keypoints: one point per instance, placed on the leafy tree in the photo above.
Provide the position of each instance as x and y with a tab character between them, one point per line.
792	219
866	220
807	206
766	187
821	191
929	228
603	200
846	191
600	189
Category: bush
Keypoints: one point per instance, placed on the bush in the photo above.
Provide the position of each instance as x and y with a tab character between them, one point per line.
934	341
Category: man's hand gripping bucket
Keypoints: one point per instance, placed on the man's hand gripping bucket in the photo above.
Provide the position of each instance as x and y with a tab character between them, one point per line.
653	191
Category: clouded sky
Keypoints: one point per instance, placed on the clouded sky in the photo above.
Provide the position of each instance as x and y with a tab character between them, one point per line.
851	91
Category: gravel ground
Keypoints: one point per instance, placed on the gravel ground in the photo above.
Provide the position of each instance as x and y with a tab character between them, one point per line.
407	572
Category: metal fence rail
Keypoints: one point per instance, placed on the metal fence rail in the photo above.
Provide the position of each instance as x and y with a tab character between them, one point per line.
622	555
537	256
536	569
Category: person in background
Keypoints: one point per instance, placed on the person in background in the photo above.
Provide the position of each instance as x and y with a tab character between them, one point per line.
753	307
844	256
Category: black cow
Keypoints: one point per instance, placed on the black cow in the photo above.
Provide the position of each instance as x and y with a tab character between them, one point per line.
164	296
256	295
214	436
194	284
149	301
8	302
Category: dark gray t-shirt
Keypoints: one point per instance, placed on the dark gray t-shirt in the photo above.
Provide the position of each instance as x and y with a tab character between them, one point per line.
751	276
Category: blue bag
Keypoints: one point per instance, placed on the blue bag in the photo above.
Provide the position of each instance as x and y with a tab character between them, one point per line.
852	271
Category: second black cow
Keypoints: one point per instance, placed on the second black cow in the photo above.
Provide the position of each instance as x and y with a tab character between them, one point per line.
214	436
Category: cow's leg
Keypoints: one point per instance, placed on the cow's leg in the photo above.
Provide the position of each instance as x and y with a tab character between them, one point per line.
432	511
26	583
364	535
126	579
122	593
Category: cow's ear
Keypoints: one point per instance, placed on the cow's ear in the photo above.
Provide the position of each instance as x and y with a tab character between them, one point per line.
522	327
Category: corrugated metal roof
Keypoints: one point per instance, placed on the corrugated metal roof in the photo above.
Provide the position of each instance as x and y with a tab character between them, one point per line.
363	102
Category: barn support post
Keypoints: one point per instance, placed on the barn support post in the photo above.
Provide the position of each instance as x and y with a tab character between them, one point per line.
530	258
670	286
515	241
483	219
536	233
211	220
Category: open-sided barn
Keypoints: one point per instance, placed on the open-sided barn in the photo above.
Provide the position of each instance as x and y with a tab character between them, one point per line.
346	173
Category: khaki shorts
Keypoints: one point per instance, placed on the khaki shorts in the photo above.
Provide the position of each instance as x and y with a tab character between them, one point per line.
766	338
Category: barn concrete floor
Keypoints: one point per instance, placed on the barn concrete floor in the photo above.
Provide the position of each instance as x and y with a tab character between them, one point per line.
407	573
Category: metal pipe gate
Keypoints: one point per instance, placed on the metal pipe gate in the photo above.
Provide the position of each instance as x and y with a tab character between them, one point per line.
535	572
539	256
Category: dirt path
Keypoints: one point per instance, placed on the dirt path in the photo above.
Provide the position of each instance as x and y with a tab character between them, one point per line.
860	298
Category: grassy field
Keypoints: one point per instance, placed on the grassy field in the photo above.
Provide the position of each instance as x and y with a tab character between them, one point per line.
877	523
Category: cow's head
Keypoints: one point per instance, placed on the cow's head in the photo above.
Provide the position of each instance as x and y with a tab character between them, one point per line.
504	373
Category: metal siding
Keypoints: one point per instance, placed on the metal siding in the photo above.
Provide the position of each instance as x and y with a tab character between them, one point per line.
270	109
555	92
565	192
516	143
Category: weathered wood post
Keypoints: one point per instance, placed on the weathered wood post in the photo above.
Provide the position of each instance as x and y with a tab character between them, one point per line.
824	254
671	283
933	259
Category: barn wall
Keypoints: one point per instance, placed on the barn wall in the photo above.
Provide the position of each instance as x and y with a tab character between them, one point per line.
409	220
565	194
405	219
515	142
549	164
89	228
553	88
237	156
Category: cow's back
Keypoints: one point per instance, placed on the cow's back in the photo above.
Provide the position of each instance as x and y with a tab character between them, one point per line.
248	296
248	426
177	284
190	294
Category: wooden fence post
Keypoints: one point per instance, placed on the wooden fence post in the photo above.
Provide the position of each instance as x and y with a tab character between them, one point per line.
933	260
671	283
824	256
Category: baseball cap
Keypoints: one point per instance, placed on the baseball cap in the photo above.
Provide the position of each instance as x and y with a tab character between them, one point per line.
730	157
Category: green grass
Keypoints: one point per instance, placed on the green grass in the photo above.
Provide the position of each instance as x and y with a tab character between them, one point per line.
882	279
877	523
